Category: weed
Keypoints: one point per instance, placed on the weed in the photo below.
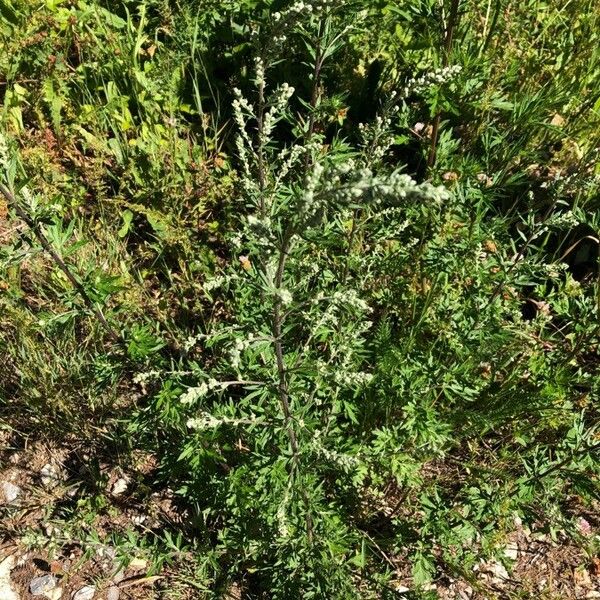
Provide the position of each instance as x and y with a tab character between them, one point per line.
330	267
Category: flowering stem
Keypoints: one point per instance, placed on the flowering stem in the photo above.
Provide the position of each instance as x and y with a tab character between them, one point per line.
278	318
261	159
452	23
283	388
314	98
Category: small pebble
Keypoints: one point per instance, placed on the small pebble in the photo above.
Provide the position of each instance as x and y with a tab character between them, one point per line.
499	571
9	492
55	594
518	521
138	519
511	551
106	552
466	593
85	593
118	576
41	586
138	564
113	593
120	486
50	475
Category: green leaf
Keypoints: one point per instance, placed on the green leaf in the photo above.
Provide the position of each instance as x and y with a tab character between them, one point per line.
423	569
55	104
126	227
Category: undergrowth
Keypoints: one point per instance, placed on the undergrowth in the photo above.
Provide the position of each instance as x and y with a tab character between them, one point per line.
332	265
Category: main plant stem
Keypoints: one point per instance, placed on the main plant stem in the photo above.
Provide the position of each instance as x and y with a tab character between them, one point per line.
277	329
283	387
278	317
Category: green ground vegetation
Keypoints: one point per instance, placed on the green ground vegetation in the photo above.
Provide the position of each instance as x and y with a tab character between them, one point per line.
336	269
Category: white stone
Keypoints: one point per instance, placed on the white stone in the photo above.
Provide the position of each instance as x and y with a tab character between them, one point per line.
106	552
120	486
499	571
466	593
113	593
42	586
85	593
50	475
138	564
511	551
9	492
7	592
55	594
138	519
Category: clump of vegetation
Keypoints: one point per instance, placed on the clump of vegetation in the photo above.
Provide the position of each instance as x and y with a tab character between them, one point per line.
330	266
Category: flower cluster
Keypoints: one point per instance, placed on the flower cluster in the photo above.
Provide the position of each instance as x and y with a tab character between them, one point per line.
146	376
309	200
562	220
205	421
350	298
259	69
300	7
421	84
193	394
278	102
242	111
217	282
284	19
341	299
4	154
347	185
260	231
288	159
346	462
285	296
273	110
239	346
352	379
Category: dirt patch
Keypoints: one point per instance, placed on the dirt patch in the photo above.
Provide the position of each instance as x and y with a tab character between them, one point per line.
55	485
59	485
533	566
